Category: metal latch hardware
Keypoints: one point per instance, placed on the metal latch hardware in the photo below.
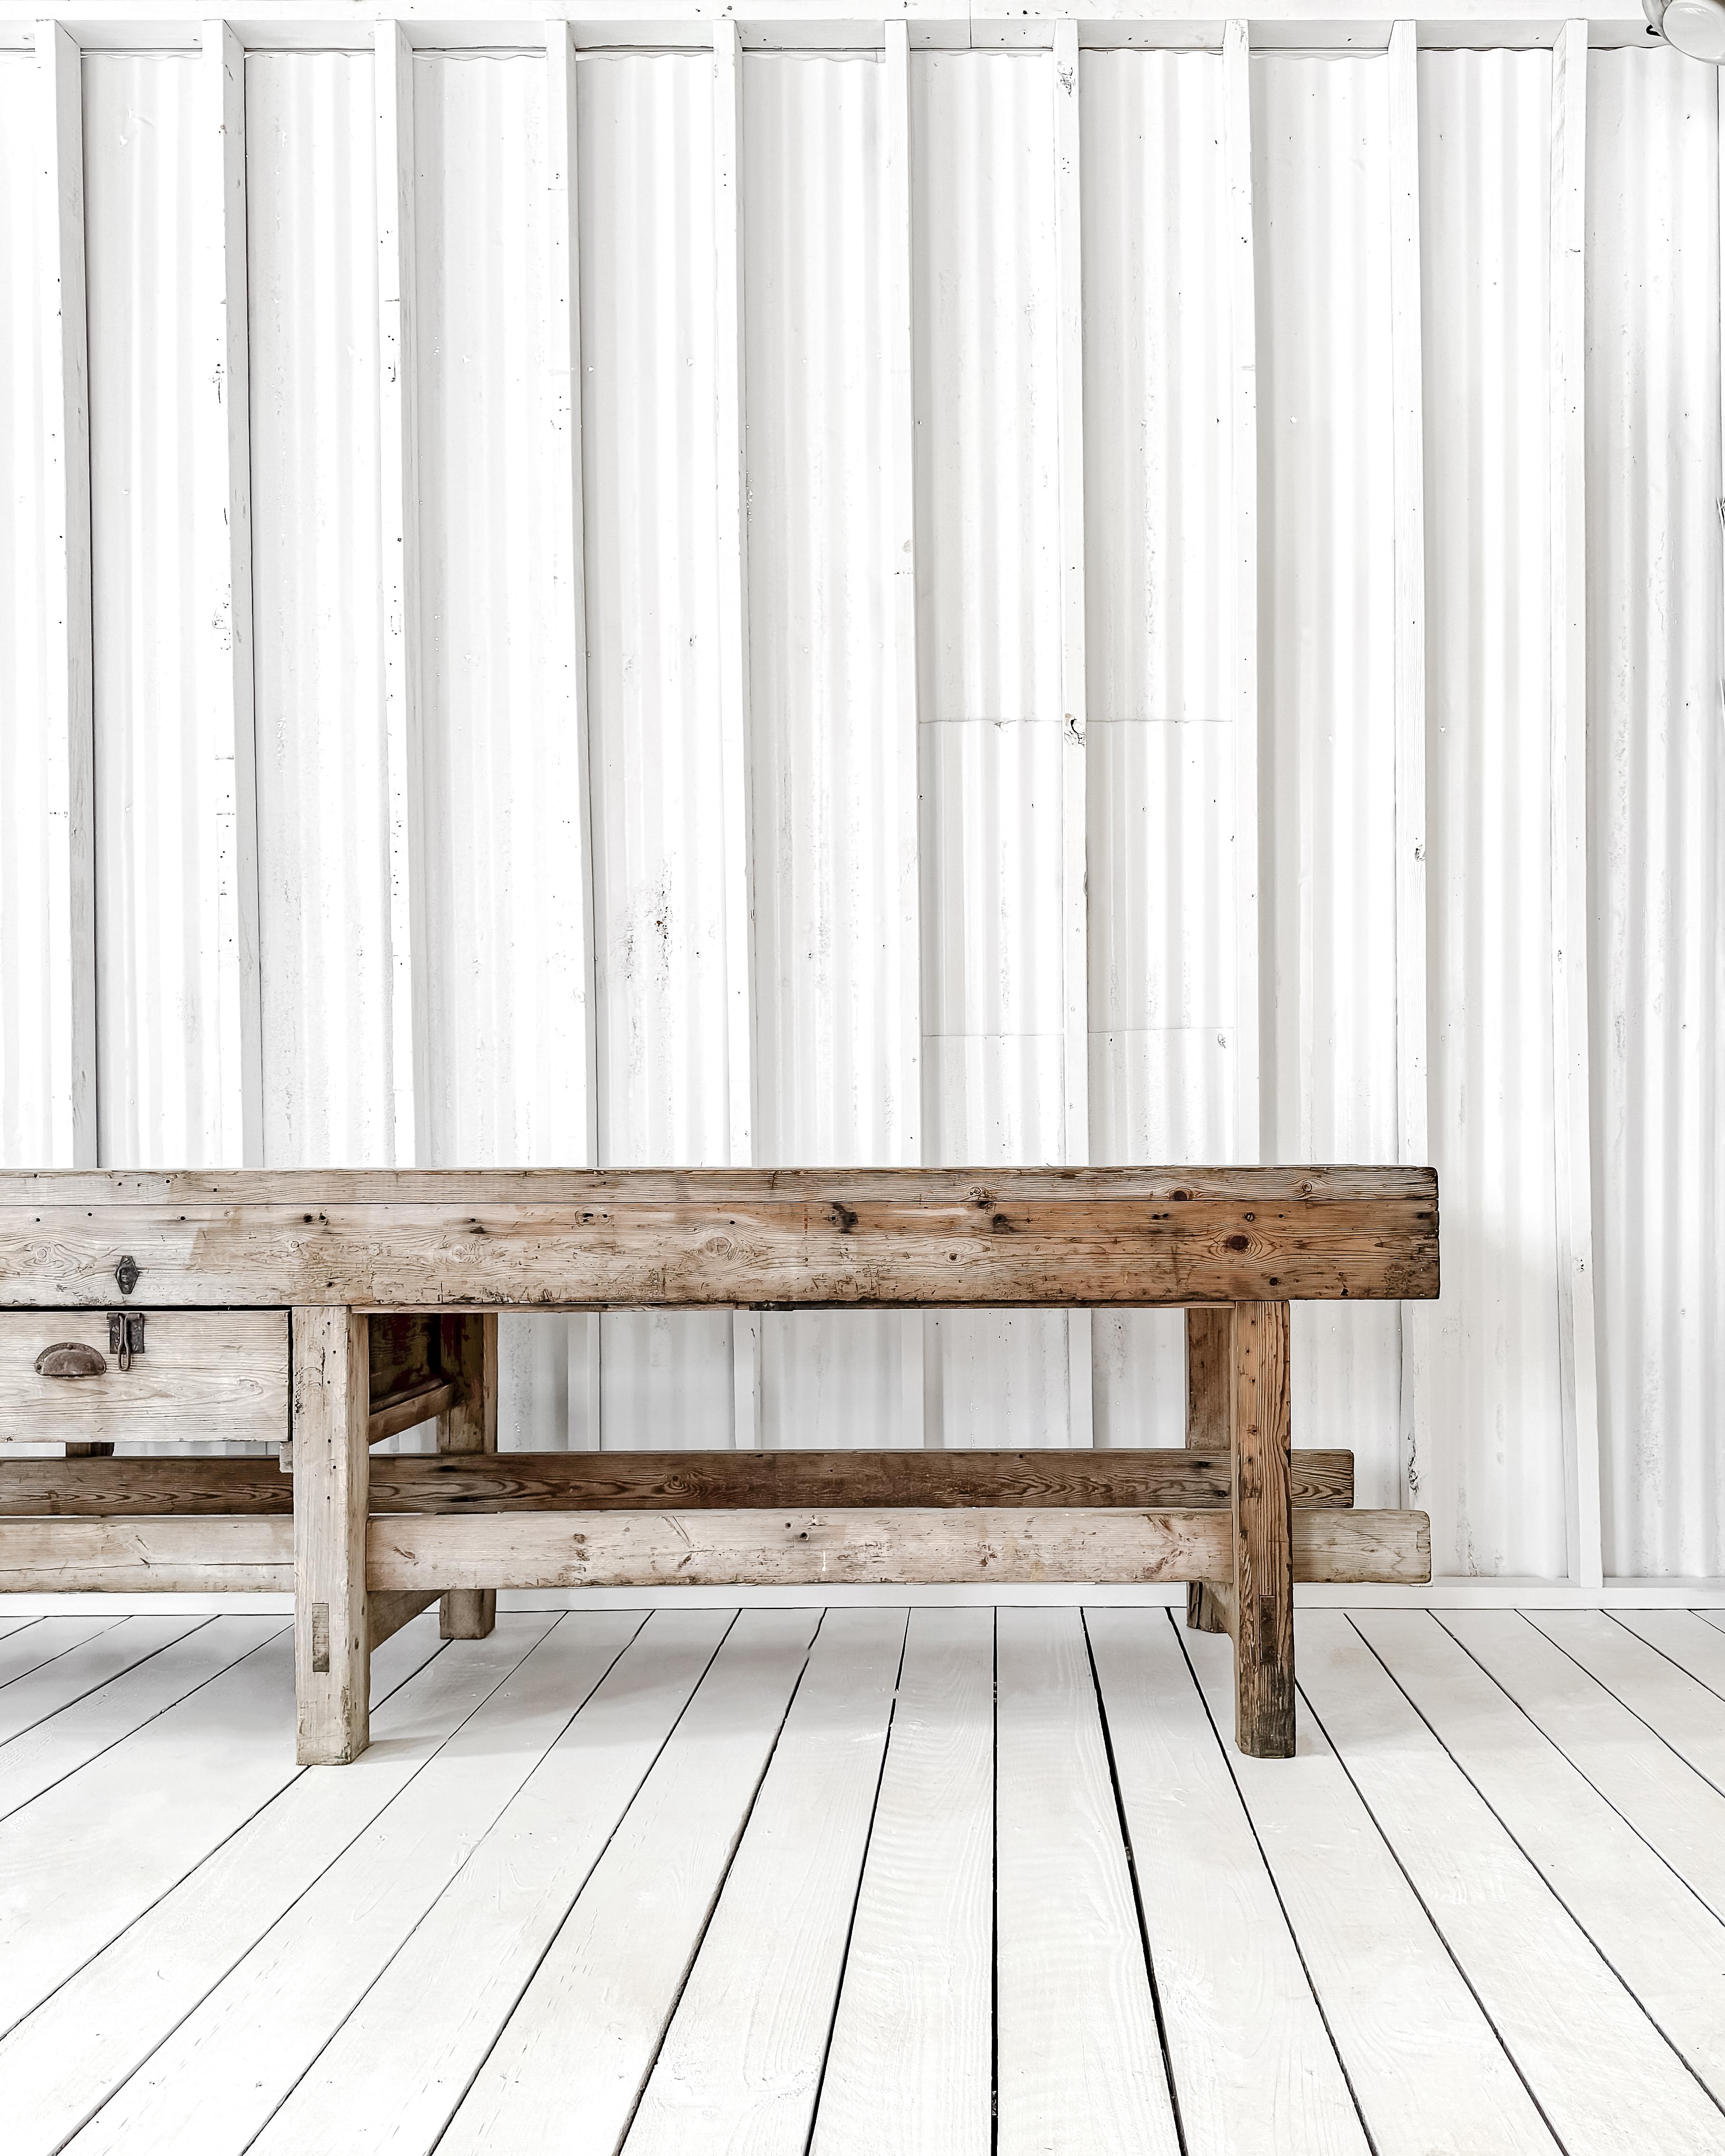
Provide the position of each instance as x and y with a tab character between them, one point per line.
125	1336
125	1274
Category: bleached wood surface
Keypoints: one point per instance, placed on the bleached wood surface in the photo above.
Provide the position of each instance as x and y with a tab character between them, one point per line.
728	1882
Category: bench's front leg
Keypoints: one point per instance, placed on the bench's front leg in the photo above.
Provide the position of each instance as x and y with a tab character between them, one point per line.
1262	1604
469	1356
1210	1365
331	1407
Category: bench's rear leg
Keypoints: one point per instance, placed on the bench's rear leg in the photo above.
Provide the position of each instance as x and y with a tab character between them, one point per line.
331	1406
1263	1598
469	1358
1208	1363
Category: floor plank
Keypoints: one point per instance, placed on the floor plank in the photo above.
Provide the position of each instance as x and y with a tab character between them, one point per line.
1253	2064
616	1967
68	1678
1683	1712
1666	1946
1080	2059
46	1639
59	1745
911	2062
60	2064
741	2059
1668	1802
391	2078
1682	1638
1429	2074
214	2084
1604	2077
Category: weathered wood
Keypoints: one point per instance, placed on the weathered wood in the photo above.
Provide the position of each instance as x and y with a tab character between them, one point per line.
406	1350
1263	1568
407	1409
146	1555
312	1187
1159	1479
1207	1369
880	1238
469	1428
181	1555
204	1374
94	1451
898	1548
332	1474
385	1614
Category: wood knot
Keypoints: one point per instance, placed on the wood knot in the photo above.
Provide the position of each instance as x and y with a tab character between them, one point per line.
1238	1242
843	1220
719	1246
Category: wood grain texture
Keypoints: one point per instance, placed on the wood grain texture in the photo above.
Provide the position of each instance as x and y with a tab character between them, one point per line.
213	2085
33	1188
180	1553
1208	1428
206	1835
1079	2063
878	1239
82	1730
806	1549
1263	1567
406	1350
694	1803
402	2060
1673	1804
1250	2057
1425	2063
910	2065
1600	2072
672	1481
427	1400
332	1475
741	2061
173	1555
1658	1935
385	1614
205	1375
468	1355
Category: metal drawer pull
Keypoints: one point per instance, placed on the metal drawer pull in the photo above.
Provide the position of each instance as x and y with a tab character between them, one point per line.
71	1358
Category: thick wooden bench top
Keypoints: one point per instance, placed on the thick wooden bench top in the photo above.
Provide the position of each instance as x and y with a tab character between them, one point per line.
807	1238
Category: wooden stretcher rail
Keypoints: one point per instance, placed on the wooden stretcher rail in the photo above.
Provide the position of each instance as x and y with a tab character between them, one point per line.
1164	1478
837	1241
425	1555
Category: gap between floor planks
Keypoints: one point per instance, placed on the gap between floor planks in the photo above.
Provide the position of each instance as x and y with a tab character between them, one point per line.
881	1824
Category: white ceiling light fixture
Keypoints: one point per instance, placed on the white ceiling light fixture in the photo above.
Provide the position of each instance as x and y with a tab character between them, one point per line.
1695	28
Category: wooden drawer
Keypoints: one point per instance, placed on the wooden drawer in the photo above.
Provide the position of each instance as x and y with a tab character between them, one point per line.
203	1374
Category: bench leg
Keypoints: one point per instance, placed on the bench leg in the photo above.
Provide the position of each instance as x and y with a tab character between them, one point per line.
332	1463
469	1356
1208	1362
1263	1598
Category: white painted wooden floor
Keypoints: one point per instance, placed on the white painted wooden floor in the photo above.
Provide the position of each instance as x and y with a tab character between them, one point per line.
786	1881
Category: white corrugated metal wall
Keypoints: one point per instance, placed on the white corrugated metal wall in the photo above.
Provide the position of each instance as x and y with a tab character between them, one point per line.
695	603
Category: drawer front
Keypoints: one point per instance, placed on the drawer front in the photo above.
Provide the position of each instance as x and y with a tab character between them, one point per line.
203	1374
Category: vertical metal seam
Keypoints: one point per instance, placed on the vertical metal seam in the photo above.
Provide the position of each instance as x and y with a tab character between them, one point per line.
731	507
398	471
1237	153
569	615
70	717
1408	400
900	331
1571	1061
1069	348
225	525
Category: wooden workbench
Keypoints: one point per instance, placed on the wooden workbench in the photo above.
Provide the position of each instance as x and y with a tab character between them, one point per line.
324	1312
